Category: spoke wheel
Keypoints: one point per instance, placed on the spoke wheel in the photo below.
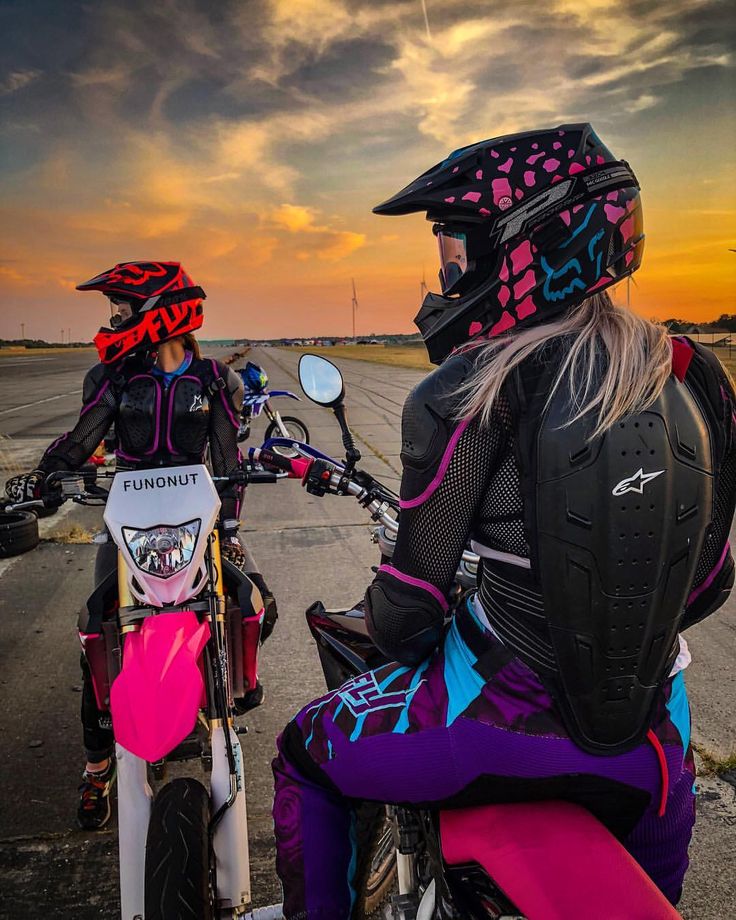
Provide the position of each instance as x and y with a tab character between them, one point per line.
297	430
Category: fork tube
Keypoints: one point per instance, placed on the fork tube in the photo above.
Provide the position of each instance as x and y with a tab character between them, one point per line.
227	782
125	598
134	799
282	428
405	873
134	812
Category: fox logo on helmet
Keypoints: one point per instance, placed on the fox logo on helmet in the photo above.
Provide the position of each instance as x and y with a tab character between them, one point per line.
138	280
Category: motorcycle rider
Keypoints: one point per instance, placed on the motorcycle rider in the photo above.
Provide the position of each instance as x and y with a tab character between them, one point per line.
591	460
168	405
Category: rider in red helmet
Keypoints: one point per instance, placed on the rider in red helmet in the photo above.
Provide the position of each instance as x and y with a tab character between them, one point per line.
169	405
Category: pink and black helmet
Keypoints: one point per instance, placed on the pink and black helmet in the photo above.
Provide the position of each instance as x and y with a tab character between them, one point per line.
528	225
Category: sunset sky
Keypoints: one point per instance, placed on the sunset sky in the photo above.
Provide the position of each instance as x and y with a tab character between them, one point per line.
249	139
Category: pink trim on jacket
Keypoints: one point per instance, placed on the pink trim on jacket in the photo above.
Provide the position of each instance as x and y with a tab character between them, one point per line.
696	592
97	398
229	411
440	474
417	583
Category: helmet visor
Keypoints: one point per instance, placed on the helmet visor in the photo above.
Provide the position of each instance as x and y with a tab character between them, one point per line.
453	250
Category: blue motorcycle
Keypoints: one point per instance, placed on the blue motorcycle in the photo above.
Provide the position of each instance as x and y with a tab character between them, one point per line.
257	399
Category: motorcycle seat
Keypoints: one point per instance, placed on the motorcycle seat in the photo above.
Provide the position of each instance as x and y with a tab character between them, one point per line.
554	860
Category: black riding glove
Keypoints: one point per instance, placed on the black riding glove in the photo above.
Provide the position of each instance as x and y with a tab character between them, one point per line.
232	549
29	487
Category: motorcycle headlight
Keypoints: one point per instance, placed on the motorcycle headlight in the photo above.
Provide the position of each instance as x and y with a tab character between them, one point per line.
162	551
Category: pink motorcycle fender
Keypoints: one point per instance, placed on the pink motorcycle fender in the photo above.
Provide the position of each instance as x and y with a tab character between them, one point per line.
555	862
155	699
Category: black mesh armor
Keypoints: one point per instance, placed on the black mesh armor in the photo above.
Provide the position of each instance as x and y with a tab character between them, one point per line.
156	425
480	496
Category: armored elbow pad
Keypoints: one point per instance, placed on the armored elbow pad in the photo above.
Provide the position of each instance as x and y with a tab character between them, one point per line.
405	622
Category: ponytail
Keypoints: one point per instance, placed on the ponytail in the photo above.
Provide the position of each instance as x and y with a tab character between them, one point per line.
191	344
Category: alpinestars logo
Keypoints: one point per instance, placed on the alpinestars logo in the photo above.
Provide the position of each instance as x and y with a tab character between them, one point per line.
635	483
196	403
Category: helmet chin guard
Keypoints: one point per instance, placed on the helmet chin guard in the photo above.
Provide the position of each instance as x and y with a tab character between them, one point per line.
542	220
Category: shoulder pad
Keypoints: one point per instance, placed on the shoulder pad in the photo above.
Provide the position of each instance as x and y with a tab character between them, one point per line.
712	386
223	377
234	386
429	415
93	380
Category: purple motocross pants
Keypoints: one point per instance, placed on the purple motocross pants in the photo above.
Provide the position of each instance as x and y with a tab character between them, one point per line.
471	724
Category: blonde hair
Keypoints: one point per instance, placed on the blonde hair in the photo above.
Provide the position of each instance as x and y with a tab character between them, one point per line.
639	362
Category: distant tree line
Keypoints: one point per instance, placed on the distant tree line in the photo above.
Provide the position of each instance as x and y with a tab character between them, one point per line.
40	343
724	321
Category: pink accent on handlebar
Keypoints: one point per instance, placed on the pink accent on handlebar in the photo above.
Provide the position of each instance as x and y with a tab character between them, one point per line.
300	467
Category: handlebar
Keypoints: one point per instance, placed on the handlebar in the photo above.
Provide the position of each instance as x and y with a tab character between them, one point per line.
80	486
335	479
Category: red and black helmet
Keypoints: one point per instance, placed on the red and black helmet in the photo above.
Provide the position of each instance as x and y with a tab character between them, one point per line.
528	225
165	303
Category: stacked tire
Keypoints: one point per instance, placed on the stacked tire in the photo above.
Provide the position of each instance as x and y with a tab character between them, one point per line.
18	532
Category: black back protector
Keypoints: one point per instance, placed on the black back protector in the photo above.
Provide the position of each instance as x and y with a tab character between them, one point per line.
615	525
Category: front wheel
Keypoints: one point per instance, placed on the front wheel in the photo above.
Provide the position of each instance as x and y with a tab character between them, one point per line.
178	878
297	432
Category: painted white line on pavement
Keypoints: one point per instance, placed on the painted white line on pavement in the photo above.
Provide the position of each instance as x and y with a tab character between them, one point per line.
39	401
44	526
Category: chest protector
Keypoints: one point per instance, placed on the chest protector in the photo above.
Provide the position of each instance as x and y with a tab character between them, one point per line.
615	526
156	424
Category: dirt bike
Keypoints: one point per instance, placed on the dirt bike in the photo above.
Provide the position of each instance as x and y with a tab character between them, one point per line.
549	860
257	399
171	639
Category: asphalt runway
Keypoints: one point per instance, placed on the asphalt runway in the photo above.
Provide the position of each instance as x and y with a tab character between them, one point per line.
308	548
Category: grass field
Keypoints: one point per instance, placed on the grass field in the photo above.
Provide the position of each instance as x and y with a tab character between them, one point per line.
730	363
396	355
416	356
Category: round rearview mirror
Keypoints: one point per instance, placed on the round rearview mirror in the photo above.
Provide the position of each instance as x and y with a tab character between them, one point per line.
321	380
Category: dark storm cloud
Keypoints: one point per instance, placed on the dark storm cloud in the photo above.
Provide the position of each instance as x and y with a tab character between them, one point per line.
344	70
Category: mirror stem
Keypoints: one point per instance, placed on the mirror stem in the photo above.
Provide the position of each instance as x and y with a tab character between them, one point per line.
352	454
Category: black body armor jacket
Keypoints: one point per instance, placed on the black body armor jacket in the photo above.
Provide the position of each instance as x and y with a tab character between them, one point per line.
594	552
159	425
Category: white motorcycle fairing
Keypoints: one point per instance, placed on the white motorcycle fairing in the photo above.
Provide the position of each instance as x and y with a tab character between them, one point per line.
167	497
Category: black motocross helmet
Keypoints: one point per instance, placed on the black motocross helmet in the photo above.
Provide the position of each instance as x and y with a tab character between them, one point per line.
527	225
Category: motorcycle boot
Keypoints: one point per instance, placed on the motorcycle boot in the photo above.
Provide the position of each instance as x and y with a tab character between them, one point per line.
94	808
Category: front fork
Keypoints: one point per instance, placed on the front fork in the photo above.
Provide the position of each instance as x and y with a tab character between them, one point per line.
134	799
227	784
273	415
134	813
229	827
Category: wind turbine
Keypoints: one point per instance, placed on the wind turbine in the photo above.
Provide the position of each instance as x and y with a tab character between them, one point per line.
354	305
422	288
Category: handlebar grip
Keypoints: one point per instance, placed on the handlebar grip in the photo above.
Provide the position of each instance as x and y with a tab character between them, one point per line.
296	466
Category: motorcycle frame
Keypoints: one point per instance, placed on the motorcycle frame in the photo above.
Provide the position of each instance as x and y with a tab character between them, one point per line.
255	403
228	825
